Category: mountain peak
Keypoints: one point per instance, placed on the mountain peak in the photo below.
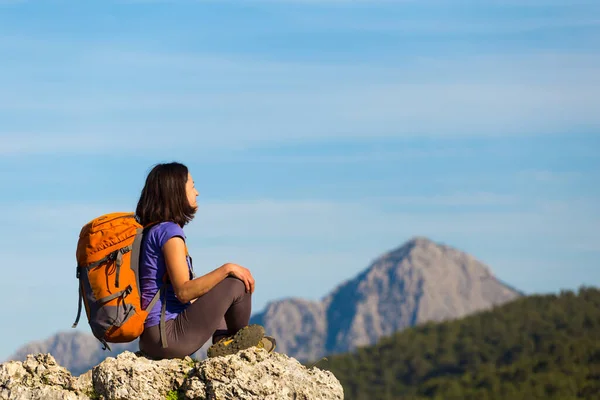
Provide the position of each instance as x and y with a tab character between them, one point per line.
420	241
417	242
421	251
421	245
419	281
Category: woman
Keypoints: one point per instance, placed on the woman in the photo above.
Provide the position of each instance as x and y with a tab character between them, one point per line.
216	304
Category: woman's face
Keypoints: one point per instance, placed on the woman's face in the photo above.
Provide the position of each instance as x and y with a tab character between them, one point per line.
191	191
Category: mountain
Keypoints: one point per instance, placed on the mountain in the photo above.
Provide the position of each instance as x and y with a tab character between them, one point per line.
76	351
537	347
300	326
418	282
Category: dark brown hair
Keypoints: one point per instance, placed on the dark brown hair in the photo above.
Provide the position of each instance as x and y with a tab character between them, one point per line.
164	197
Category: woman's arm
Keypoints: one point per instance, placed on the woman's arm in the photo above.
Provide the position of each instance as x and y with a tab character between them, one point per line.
187	290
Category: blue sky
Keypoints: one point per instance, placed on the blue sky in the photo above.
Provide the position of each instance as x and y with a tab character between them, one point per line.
320	134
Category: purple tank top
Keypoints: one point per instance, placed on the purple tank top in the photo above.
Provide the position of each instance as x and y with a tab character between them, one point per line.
153	269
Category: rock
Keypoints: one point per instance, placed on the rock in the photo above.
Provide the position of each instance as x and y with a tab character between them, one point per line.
131	377
255	374
249	374
39	377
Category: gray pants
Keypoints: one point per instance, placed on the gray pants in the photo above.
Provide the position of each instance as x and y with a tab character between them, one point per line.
220	312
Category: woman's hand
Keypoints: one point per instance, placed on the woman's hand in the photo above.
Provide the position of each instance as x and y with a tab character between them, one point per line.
242	274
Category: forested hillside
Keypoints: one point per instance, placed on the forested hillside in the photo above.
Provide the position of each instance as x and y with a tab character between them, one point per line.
537	347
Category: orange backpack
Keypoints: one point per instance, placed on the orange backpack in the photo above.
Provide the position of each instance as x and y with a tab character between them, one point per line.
108	254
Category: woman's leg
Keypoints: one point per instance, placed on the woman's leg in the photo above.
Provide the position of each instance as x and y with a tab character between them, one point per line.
192	328
221	332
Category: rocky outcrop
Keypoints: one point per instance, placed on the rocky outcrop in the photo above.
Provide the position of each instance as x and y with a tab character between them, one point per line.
249	374
40	377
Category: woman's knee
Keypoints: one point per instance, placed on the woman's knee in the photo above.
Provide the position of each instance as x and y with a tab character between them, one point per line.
235	285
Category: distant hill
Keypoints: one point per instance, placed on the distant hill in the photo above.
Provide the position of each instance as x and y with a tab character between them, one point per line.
418	282
79	352
539	347
76	351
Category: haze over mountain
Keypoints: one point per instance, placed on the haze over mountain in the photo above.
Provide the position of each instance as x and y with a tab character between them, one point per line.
418	282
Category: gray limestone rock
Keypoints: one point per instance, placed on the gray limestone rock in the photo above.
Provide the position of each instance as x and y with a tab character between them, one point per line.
248	375
131	377
253	374
39	377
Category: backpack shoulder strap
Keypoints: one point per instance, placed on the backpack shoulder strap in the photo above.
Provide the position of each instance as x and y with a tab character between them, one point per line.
80	303
163	332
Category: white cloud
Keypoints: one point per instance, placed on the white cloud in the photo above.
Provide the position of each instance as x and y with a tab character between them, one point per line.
211	101
352	158
474	199
529	3
350	222
253	119
368	220
88	142
588	244
546	176
544	274
447	25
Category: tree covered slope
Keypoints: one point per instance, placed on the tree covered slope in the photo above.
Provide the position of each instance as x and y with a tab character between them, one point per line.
536	347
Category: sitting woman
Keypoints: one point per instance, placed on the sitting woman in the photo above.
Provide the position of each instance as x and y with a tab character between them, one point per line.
188	310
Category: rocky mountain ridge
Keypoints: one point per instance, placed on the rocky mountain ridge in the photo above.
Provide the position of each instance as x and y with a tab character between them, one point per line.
420	281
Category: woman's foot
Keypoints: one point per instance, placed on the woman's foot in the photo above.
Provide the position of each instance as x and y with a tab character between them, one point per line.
245	338
268	343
